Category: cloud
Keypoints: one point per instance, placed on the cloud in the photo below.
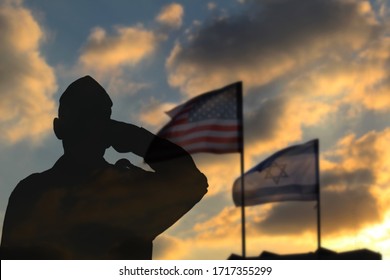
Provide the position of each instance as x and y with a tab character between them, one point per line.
302	65
153	114
27	82
276	122
343	212
362	81
355	200
354	192
211	6
171	16
113	57
166	247
221	171
372	86
119	84
126	47
269	40
221	234
215	227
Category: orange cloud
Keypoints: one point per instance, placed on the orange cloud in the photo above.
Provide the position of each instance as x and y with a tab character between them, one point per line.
193	78
363	82
110	57
220	236
221	171
171	15
285	39
293	82
27	83
125	48
369	152
373	86
355	208
153	114
166	247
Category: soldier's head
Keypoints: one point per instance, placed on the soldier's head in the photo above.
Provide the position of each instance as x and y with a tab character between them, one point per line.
83	117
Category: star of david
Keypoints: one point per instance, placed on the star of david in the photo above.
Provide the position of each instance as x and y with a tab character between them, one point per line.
276	171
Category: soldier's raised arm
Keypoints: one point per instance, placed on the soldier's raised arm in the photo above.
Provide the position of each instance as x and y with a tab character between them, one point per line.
159	153
177	185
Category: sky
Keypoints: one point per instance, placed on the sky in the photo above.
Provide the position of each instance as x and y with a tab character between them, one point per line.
310	69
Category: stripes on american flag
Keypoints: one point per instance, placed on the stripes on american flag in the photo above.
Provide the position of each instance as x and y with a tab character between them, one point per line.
211	122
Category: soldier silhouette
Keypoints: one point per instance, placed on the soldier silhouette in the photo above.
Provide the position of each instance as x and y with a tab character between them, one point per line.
86	208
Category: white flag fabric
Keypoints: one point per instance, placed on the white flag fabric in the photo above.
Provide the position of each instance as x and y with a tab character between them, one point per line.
288	175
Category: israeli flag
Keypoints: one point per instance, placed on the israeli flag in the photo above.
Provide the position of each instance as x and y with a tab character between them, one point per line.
290	174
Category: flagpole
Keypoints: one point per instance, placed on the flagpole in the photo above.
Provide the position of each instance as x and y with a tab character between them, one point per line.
240	115
318	197
243	205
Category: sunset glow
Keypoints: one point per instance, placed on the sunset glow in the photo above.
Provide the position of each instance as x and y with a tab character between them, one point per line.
310	69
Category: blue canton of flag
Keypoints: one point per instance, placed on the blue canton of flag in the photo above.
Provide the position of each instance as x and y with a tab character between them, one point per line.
211	122
218	106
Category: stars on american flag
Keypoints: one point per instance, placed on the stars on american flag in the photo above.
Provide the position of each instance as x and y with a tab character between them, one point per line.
209	123
217	106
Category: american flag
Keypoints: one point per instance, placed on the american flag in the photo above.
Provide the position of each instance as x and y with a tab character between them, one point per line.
211	122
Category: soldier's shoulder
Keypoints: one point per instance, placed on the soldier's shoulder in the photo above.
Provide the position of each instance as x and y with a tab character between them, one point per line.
31	182
35	177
